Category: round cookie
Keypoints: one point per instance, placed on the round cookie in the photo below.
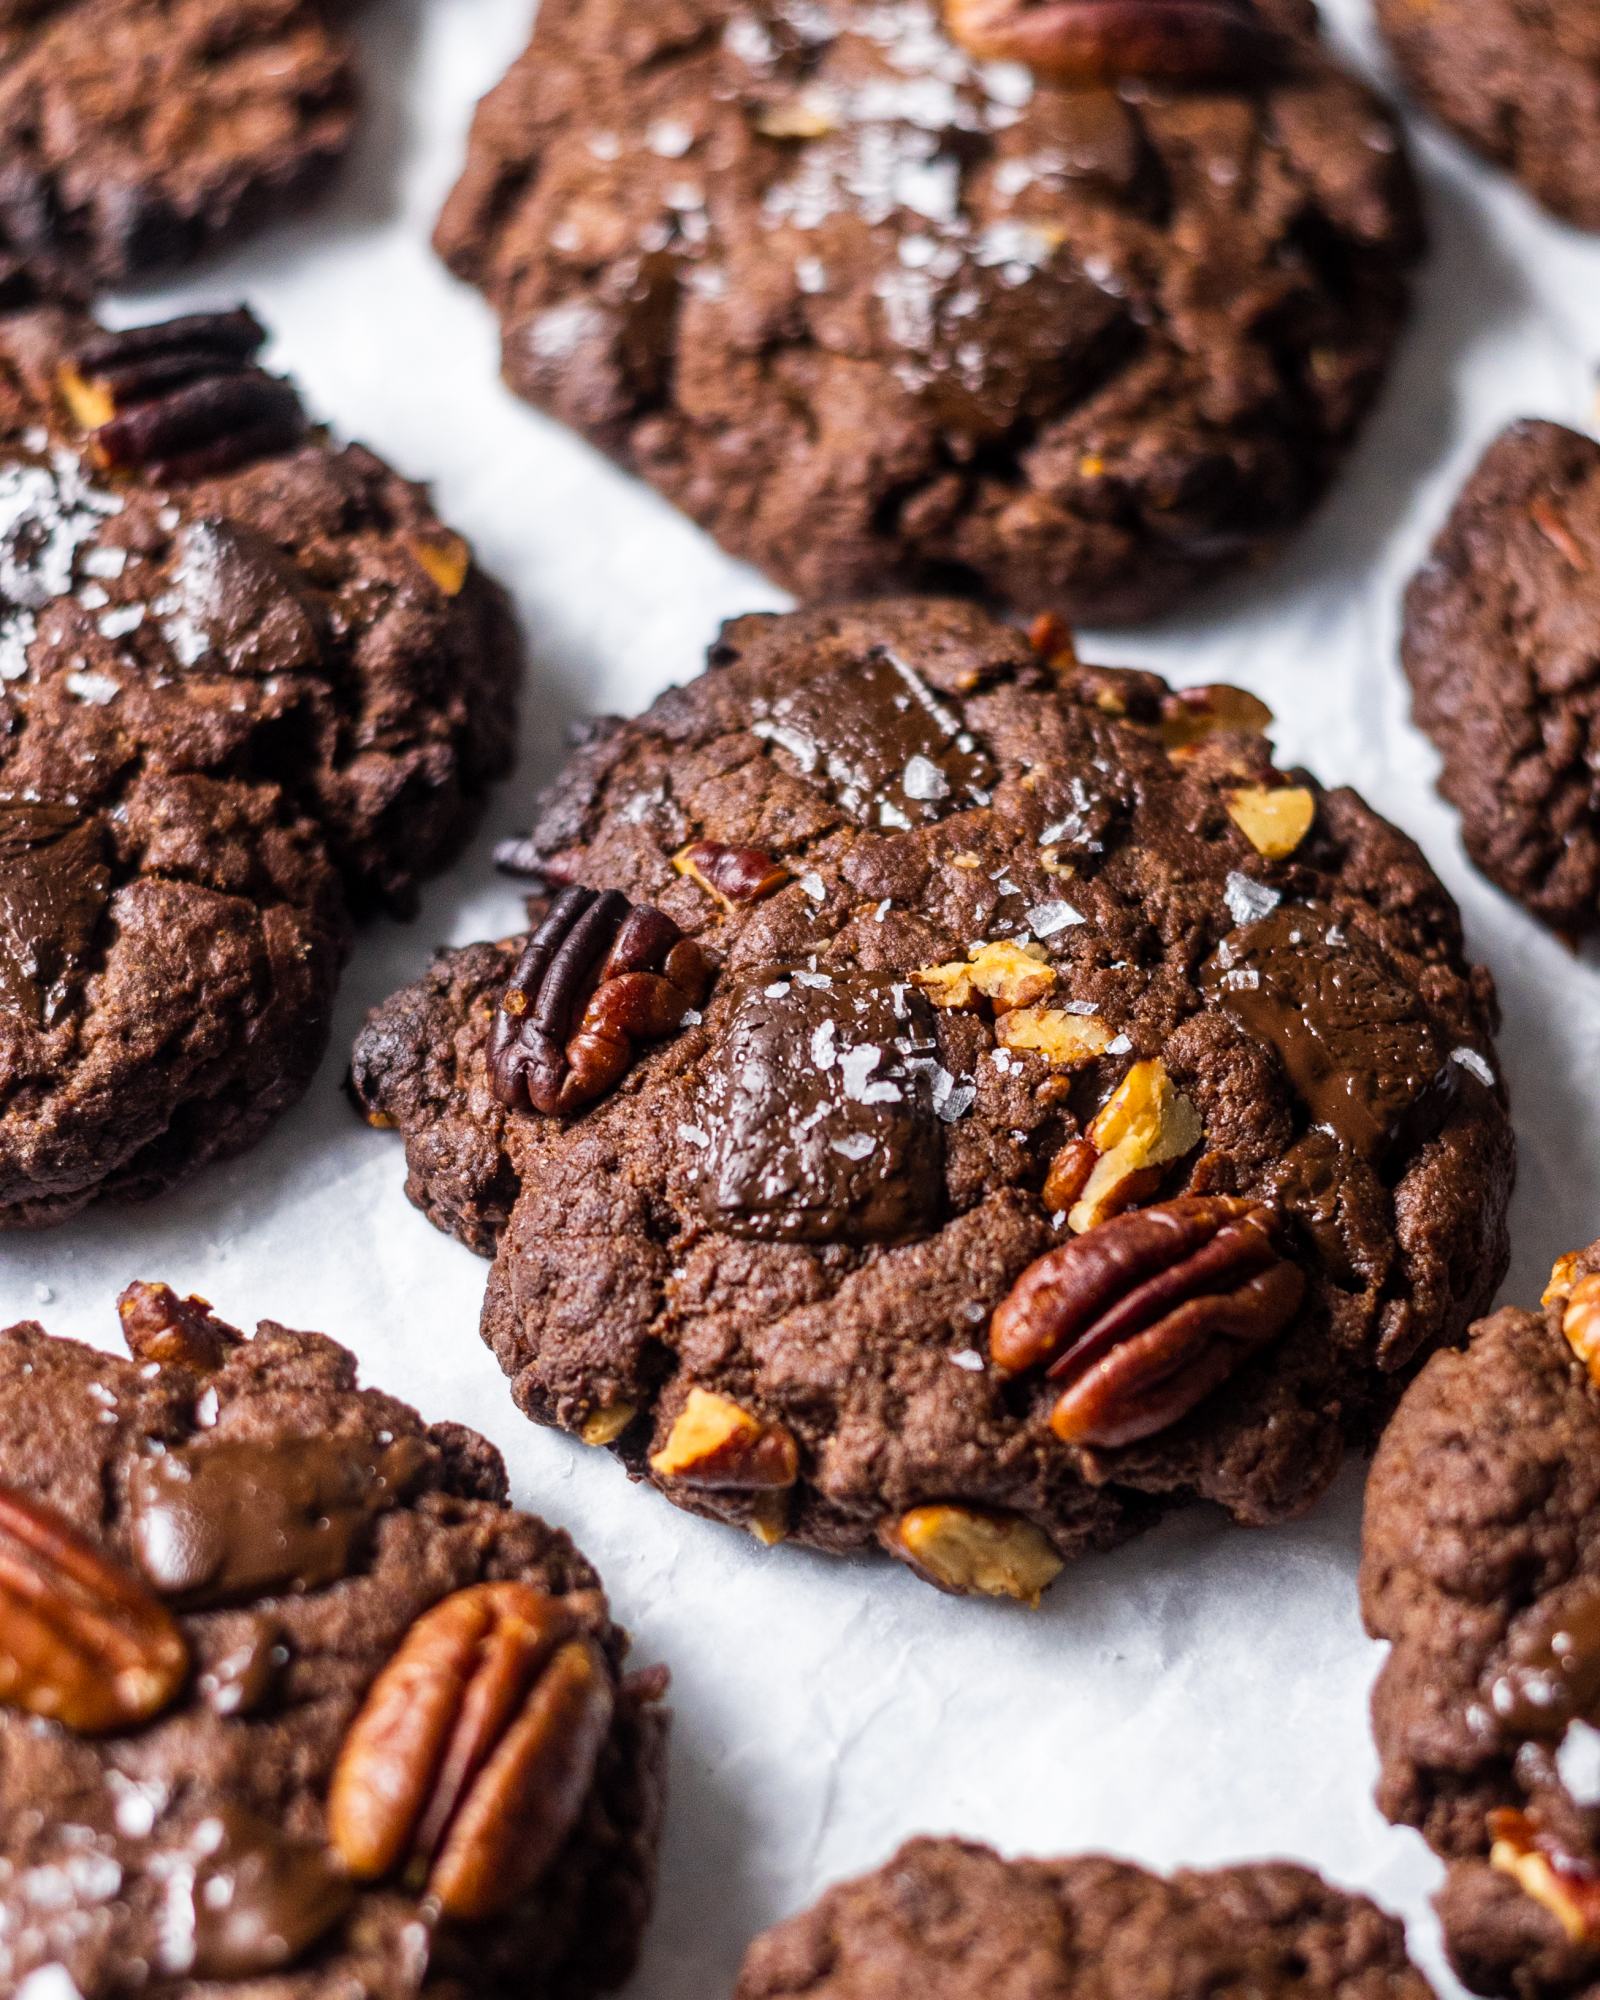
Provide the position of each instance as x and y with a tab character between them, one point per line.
291	1701
880	313
1502	629
943	952
1517	79
249	684
1481	1565
135	133
947	1919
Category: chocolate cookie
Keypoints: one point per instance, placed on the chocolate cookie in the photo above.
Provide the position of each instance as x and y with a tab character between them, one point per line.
957	1098
946	1919
291	1700
1502	646
1482	1565
248	685
134	133
1517	79
1073	305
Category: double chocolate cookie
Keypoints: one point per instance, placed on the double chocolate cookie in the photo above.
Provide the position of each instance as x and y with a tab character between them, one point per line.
945	1920
1071	304
1517	79
291	1701
134	133
1502	646
1482	1565
957	1098
248	685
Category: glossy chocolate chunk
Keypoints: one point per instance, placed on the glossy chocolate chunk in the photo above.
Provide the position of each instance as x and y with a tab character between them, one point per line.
892	753
820	1111
248	1900
54	885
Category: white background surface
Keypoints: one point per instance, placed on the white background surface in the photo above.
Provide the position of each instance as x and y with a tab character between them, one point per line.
1197	1698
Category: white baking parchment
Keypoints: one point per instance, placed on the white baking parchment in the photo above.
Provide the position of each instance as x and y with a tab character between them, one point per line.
1198	1697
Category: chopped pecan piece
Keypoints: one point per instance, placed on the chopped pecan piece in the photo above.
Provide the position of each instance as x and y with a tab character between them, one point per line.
181	400
975	1551
730	874
1144	1316
443	557
1144	1125
474	1753
597	977
715	1444
159	1326
1068	1039
1190	715
1579	1298
1098	41
82	1641
606	1424
1007	975
1561	1883
1274	819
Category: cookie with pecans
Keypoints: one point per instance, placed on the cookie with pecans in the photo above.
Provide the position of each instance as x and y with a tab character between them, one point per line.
1502	633
1481	1566
1518	81
291	1699
250	686
958	1099
1073	304
945	1919
136	133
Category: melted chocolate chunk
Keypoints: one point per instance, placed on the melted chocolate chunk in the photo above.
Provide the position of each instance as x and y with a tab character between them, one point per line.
890	752
54	886
1554	1674
246	1901
820	1111
229	1519
1354	1041
234	603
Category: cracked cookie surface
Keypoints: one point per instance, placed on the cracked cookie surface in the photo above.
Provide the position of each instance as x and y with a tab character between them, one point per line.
1481	1566
879	314
945	1919
1502	647
135	133
239	1515
1009	965
249	685
1517	79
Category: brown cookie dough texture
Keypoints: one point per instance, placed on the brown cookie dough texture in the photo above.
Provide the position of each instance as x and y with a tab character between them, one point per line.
996	958
1502	646
249	684
135	133
947	1919
292	1703
880	313
1481	1565
1517	79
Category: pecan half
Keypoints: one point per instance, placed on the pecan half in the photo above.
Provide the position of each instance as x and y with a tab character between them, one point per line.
730	874
471	1760
184	1333
181	400
1098	41
1559	1882
81	1640
597	977
1145	1315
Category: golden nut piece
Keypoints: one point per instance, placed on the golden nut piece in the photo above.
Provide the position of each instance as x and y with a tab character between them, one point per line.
470	1762
1069	1040
82	1641
442	556
730	875
975	1551
1145	1124
1557	1881
1190	715
606	1425
1273	819
1580	1322
1008	975
715	1444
